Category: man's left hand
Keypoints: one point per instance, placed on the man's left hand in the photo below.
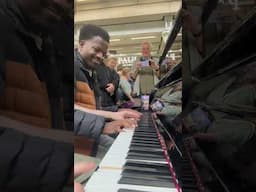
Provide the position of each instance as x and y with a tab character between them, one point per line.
110	88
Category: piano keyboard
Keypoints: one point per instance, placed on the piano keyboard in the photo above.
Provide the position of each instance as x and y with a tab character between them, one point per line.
136	162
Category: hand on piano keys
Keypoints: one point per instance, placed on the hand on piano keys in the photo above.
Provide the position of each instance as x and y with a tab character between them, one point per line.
135	162
128	113
118	125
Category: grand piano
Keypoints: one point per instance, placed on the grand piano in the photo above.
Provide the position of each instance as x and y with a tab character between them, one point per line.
159	156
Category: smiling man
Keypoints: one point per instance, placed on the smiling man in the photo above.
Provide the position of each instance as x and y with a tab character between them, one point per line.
93	45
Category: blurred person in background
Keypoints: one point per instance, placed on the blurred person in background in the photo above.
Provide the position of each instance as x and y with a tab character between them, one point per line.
108	80
169	64
125	89
145	71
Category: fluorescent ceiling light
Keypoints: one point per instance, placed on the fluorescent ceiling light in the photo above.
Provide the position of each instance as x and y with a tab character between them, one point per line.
83	0
113	40
177	50
121	48
146	37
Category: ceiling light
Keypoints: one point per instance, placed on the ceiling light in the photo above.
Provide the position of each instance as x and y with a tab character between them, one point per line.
113	40
146	37
176	50
83	0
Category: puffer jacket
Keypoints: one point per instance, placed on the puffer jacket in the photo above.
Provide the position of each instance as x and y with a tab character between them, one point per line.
85	85
29	77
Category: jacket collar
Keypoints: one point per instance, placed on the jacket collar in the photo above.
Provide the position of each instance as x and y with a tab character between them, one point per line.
82	63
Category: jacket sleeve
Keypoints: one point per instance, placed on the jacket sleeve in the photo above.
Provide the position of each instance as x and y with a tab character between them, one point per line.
4	37
116	79
88	124
30	163
1	69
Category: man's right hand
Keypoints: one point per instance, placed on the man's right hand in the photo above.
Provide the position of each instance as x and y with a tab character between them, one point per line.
127	113
118	125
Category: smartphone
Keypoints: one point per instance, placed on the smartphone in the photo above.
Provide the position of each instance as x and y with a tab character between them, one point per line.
145	63
157	106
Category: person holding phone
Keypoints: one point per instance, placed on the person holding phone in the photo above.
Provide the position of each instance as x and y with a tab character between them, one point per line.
146	71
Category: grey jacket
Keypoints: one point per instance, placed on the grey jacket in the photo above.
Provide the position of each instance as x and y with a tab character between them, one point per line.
87	124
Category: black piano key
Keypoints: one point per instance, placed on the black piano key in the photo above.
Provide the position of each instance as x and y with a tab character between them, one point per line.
141	149
148	156
148	176
161	159
152	135
146	164
146	182
145	128
145	139
145	173
146	142
145	150
129	190
145	145
145	154
148	167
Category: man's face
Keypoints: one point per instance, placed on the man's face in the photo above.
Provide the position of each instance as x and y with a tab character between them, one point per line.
43	13
93	51
112	63
170	63
146	50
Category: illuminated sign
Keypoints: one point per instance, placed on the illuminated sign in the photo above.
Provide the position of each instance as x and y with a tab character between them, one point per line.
129	60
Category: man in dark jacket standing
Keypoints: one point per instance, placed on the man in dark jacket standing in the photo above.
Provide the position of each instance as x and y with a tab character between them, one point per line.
108	81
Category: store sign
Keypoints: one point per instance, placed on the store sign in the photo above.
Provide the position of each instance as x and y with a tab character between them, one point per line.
127	60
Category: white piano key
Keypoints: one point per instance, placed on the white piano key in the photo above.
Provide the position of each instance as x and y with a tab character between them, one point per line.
115	157
107	180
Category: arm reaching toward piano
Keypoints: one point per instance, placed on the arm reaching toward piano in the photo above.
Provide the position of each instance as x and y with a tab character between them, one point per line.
93	126
119	115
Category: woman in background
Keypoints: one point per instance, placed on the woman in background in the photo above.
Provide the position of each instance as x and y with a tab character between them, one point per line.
125	88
